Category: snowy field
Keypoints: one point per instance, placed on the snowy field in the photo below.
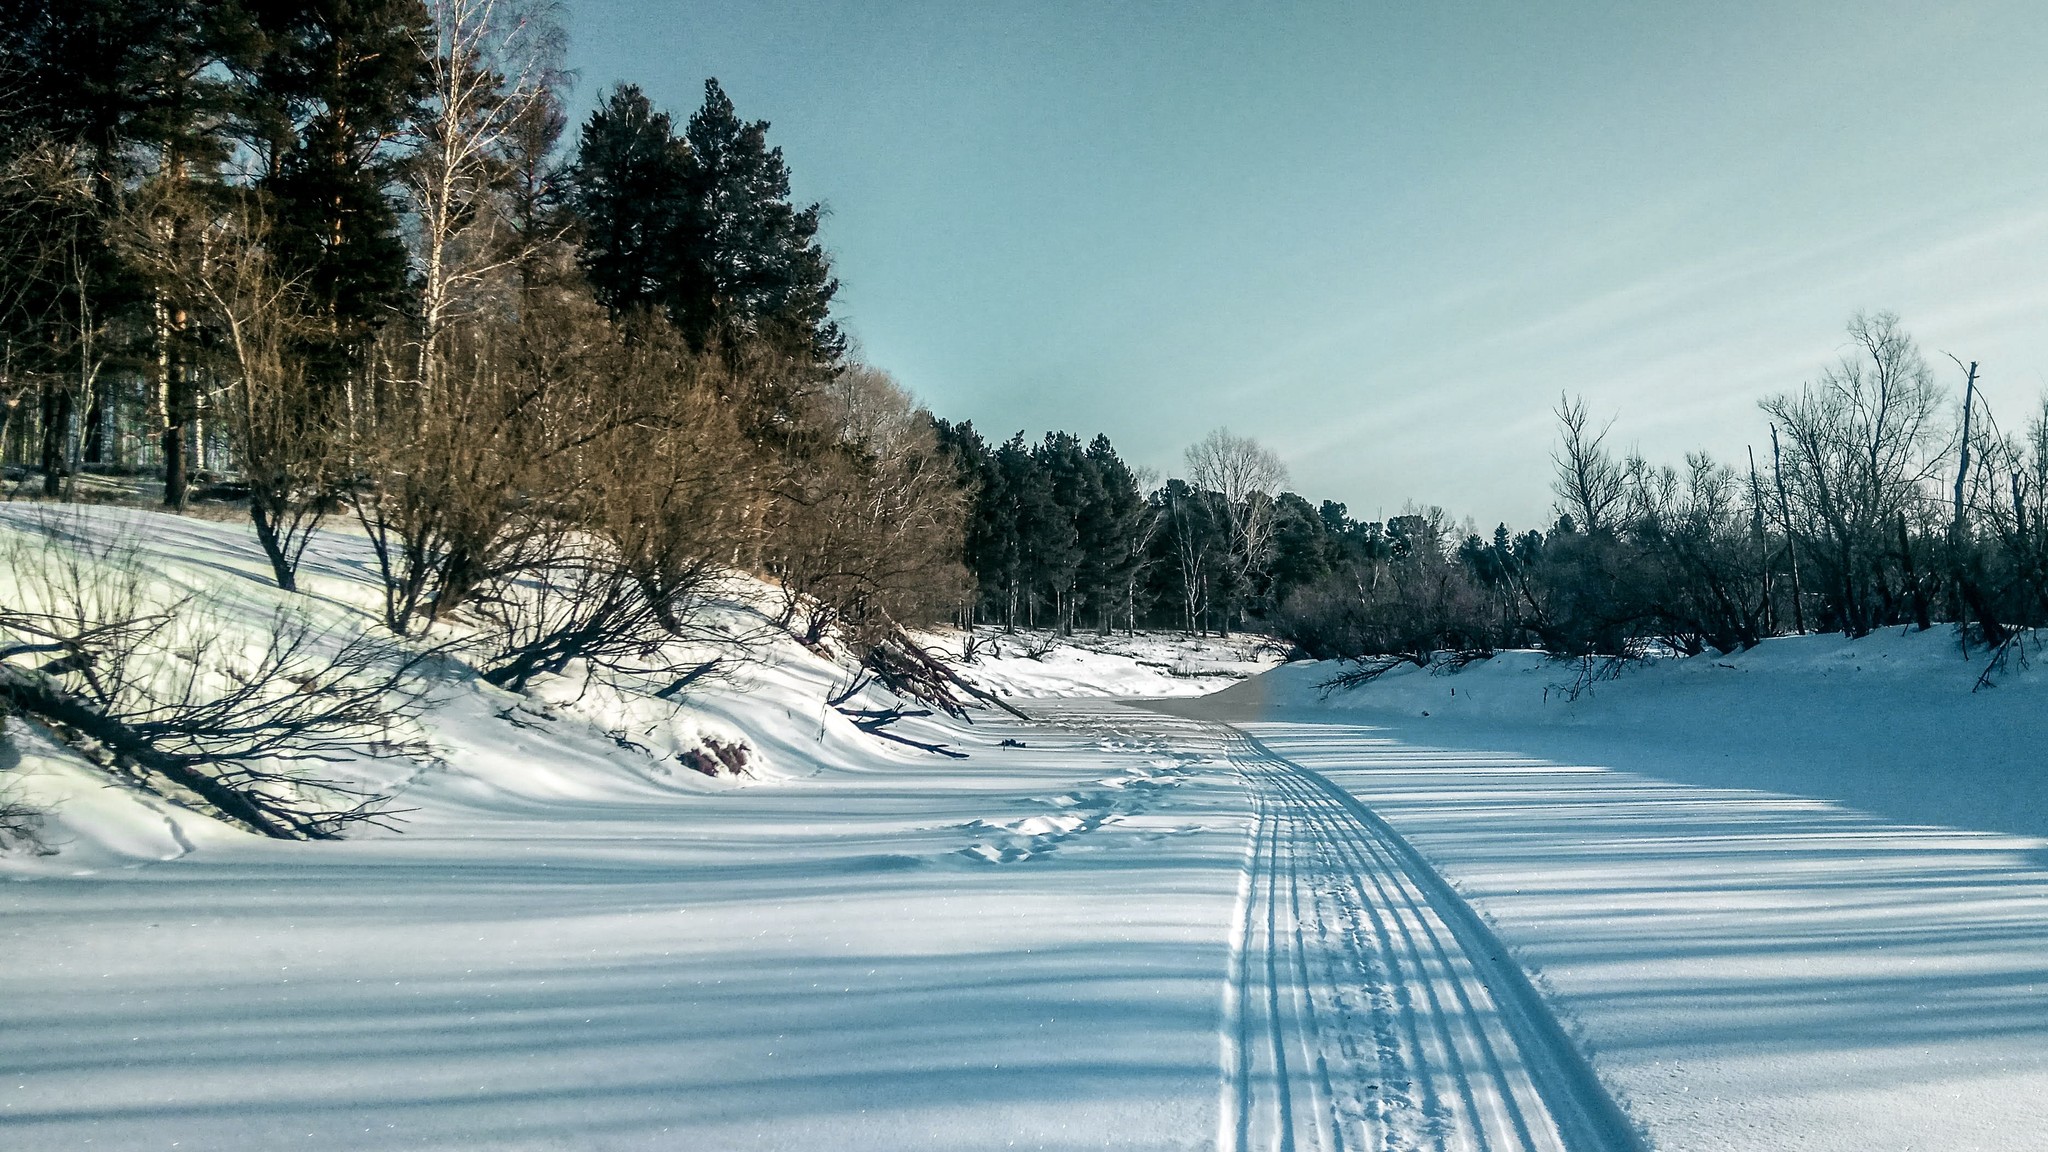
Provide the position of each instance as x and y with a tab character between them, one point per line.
1792	898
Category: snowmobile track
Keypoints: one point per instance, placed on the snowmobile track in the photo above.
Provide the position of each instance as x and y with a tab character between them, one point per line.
1369	1007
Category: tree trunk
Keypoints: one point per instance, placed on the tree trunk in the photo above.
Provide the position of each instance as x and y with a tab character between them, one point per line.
177	413
1791	549
56	434
1913	585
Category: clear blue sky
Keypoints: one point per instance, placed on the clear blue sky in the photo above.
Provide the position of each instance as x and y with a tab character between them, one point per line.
1382	237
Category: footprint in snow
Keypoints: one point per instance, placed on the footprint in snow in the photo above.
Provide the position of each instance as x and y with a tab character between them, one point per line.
1078	813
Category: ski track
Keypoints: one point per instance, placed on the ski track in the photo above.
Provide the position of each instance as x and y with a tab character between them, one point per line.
1369	1007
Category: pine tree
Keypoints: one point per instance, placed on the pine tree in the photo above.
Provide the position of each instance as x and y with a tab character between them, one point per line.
125	85
124	79
1112	529
989	546
329	85
752	261
627	188
1301	549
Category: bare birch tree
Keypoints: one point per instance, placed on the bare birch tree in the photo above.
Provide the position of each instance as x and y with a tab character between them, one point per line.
1247	476
1589	484
494	70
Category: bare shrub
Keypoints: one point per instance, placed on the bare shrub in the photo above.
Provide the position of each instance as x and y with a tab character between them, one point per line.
187	699
1247	476
286	431
864	536
672	489
572	599
454	477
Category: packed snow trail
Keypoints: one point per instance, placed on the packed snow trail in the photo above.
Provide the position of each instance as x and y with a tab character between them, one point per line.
1370	1008
1367	1006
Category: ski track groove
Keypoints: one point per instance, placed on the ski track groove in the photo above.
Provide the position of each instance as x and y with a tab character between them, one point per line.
1369	1008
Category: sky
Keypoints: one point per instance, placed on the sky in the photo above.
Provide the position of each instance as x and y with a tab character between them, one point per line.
1384	238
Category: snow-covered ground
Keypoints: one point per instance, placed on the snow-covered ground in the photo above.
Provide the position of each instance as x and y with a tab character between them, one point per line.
1038	664
573	944
1792	898
1796	897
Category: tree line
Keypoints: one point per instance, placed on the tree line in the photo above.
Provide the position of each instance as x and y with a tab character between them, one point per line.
350	260
1881	497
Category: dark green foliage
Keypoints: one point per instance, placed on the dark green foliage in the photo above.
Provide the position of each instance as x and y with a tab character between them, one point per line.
1301	549
701	226
125	79
628	189
752	262
1059	534
1113	527
329	84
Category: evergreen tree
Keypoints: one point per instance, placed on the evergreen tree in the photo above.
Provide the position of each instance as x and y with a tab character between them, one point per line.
329	85
1073	486
753	264
125	86
1043	533
1300	549
989	544
628	189
1113	530
124	79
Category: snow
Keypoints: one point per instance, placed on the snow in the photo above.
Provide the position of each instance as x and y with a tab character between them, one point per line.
573	946
1038	664
1792	897
1796	897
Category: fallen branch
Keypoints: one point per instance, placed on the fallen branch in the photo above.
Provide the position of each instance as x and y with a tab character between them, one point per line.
909	669
1367	669
239	793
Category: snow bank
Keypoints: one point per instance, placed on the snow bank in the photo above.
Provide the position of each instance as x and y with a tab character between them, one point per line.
571	737
1037	664
575	943
1892	723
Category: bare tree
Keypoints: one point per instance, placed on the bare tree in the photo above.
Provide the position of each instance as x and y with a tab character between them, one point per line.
287	436
671	491
1589	484
865	534
493	70
1247	476
51	322
1191	516
1863	443
451	478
